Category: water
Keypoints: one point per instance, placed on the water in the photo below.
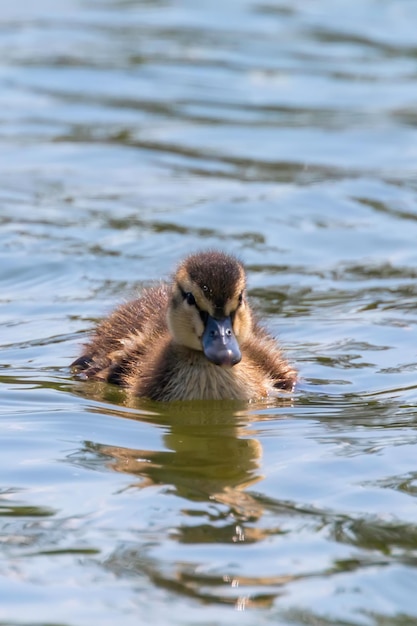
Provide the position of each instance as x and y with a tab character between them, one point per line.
130	134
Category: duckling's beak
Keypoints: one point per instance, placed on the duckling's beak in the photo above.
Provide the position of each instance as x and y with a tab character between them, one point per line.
219	342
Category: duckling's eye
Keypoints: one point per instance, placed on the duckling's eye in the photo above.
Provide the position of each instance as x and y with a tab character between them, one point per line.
190	298
240	298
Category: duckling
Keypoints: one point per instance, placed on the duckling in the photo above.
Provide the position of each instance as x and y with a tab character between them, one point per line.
196	338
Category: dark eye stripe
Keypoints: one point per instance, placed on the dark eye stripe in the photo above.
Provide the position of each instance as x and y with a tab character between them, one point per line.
187	295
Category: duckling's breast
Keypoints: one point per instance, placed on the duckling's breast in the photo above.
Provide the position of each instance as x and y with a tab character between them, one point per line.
194	378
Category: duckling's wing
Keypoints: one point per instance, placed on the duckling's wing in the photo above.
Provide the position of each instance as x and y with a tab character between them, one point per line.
123	337
268	358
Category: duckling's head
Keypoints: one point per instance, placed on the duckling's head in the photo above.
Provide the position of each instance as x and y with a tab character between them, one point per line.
208	310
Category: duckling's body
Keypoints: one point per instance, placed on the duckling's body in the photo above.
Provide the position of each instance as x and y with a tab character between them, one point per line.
193	339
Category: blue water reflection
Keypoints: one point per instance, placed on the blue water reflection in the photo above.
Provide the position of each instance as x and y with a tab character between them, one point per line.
131	133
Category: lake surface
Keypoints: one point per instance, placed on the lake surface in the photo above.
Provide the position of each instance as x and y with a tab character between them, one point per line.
131	133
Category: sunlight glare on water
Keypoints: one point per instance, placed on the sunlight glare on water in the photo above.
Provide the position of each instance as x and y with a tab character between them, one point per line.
131	133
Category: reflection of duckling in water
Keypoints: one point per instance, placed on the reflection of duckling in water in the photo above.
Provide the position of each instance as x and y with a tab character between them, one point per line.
208	454
210	458
194	339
